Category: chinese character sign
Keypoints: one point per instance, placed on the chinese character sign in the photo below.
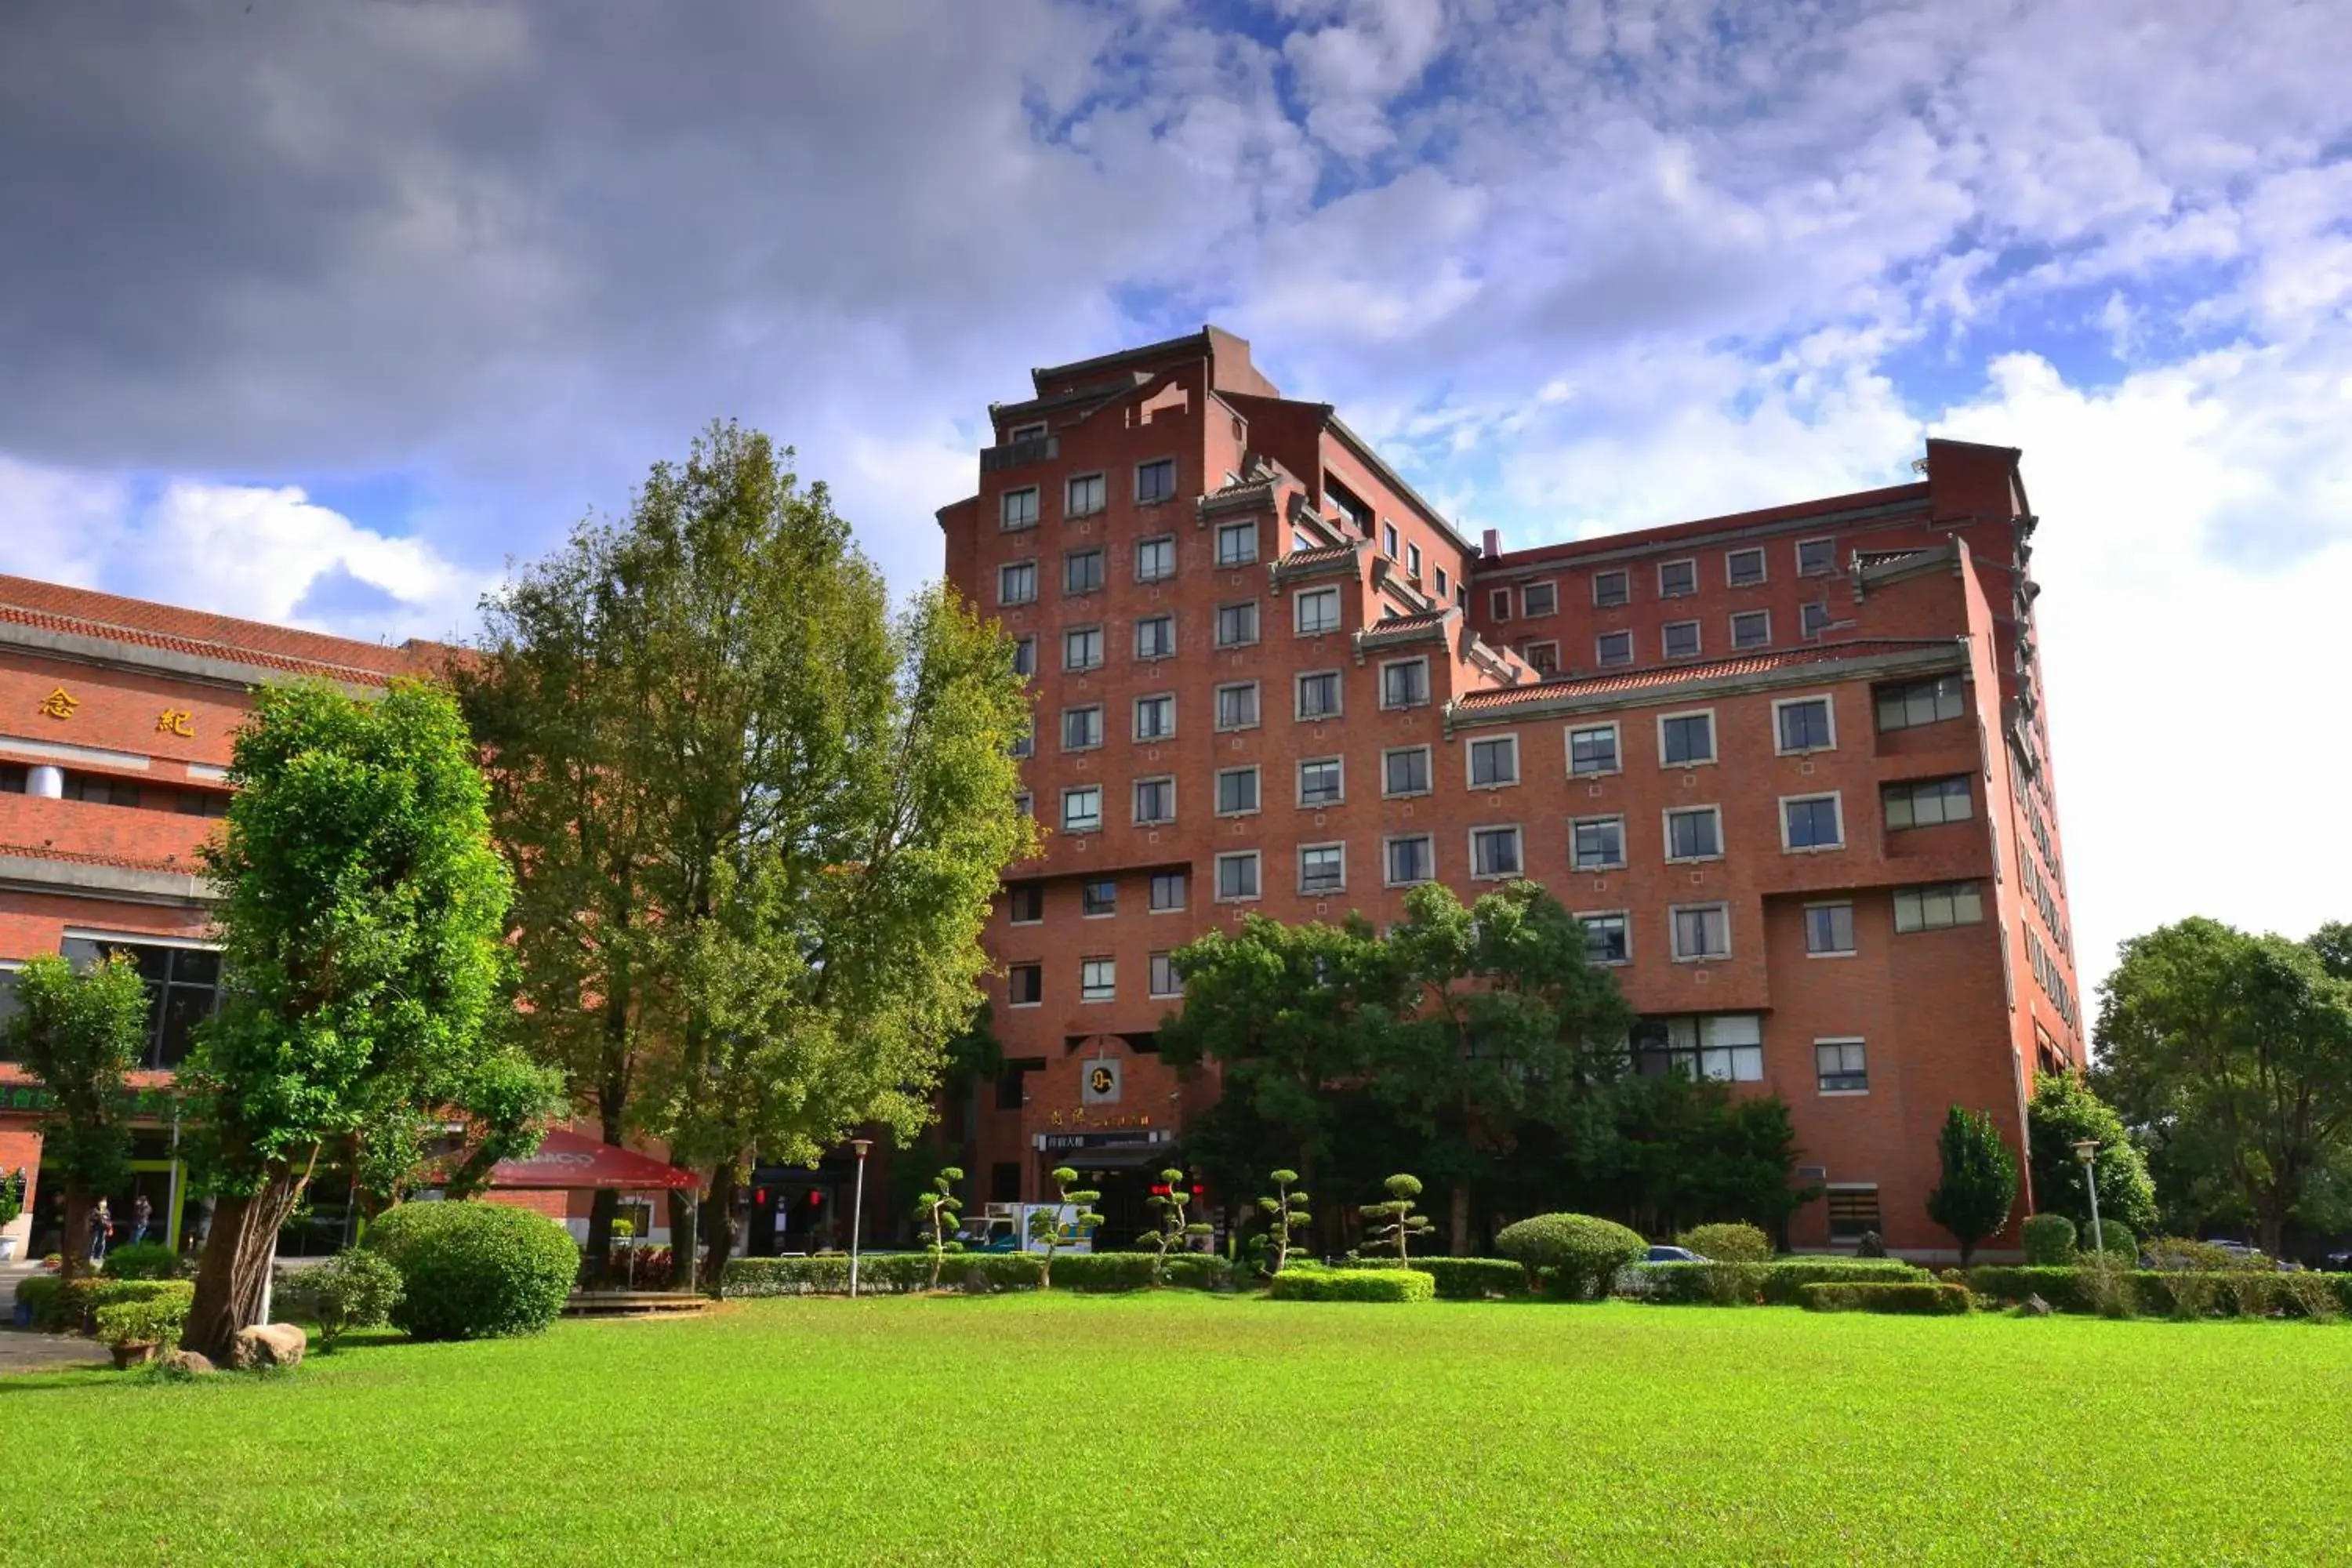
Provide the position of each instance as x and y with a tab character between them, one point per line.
61	703
177	722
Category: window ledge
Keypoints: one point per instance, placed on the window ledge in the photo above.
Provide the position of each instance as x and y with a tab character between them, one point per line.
1686	767
1840	952
1844	1093
1810	848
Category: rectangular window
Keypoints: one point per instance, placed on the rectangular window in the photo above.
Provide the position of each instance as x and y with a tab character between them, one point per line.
1543	657
1024	984
1854	1212
1816	557
1677	578
1165	981
1494	852
1918	702
1082	728
1606	938
1025	656
1237	706
1098	897
1155	559
1155	636
1680	639
1316	611
1318	694
1702	931
1404	771
1155	800
1445	587
1236	544
1025	744
1098	979
1167	892
1816	620
1596	843
1841	1066
1410	861
1082	809
1613	649
1695	833
1495	761
1084	495
1405	683
1686	739
1727	1047
1499	604
182	984
1811	822
1743	568
1937	906
1319	781
1540	599
1389	539
1024	904
1926	803
1322	867
1021	433
1751	628
1804	725
1026	804
1155	717
1017	582
1155	481
1610	589
1082	647
1829	929
1237	625
1412	562
1238	876
1019	508
1592	751
1082	571
1236	791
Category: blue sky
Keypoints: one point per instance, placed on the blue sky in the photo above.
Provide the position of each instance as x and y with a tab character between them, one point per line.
325	312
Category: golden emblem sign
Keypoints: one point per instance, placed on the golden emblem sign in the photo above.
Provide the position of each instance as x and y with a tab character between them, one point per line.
1102	1080
59	704
177	722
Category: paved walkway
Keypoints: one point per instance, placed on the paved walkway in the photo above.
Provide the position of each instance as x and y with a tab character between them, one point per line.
22	1350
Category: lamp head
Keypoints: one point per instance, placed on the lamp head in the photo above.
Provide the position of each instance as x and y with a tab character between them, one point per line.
860	1145
2085	1148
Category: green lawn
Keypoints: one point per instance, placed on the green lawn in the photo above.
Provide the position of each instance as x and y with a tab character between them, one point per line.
1184	1429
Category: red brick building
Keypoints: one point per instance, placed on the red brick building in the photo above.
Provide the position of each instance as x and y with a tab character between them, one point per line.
1793	766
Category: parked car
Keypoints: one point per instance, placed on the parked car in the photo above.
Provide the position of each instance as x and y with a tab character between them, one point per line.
1631	1281
1674	1255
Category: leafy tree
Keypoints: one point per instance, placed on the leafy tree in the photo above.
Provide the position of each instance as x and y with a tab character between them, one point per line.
1394	1221
1169	1230
363	909
1045	1222
81	1035
1688	1150
12	1194
1980	1185
937	1218
2231	1057
2062	1111
1286	1215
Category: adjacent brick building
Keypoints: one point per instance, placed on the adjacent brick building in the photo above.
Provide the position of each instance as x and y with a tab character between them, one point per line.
1791	766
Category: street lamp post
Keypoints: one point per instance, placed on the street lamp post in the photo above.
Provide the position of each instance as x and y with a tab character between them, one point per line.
2087	1150
858	1210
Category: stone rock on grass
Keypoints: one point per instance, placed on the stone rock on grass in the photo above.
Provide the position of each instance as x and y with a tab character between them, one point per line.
271	1344
186	1363
2033	1307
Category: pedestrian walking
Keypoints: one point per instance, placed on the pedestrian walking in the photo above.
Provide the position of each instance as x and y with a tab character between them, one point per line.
102	1227
141	1214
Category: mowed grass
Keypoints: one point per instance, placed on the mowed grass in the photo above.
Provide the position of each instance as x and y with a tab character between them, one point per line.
1185	1428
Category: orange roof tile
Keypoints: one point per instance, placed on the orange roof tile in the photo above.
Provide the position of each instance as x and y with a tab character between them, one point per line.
82	611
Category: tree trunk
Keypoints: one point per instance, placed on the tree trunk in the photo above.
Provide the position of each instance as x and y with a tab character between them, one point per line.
74	1246
2270	1231
1459	1243
719	1221
235	1271
602	1210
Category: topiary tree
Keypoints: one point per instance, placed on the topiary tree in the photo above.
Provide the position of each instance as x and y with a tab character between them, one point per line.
1395	1223
2049	1240
1583	1253
1170	1229
81	1035
1044	1222
1285	1216
1728	1242
1979	1182
937	1215
474	1270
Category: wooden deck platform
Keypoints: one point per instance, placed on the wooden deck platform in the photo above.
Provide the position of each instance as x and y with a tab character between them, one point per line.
633	1303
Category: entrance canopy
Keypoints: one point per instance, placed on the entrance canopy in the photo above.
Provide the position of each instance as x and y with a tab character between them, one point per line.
571	1162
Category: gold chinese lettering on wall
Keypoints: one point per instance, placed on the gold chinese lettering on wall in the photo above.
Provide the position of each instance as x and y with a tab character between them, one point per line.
59	704
177	722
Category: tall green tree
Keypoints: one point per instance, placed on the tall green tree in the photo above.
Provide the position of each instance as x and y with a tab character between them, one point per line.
81	1035
1979	1182
2063	1112
363	910
2231	1056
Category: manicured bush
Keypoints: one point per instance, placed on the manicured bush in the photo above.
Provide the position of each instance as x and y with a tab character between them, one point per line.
2181	1293
155	1322
2110	1239
1775	1284
1582	1253
39	1291
2049	1240
1926	1299
474	1270
1461	1279
73	1307
893	1273
141	1260
355	1289
1728	1242
1301	1283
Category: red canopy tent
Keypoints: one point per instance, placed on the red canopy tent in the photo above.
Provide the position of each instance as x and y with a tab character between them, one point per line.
571	1162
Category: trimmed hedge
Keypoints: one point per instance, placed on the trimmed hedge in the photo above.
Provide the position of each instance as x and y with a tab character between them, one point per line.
474	1270
1461	1279
39	1291
141	1260
1580	1253
2192	1293
1319	1284
1728	1242
895	1273
2048	1239
1779	1283
1924	1299
62	1307
155	1322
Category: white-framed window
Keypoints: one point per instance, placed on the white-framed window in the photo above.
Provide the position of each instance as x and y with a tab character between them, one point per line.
1926	803
1727	1046
1686	740
1694	833
1841	1065
1236	544
1499	604
1751	628
1680	639
1098	979
1404	771
1817	620
1829	929
1316	611
1025	656
1082	809
1018	509
1238	792
1237	624
1155	637
1494	853
1409	859
1082	647
1024	984
1610	589
1816	557
1083	495
1803	724
1677	578
1493	761
1155	716
1318	694
1543	657
1322	781
1237	705
1017	582
1540	599
1596	843
1165	981
1167	892
1912	703
1701	931
1612	648
1405	683
1744	568
1412	562
1444	586
1082	728
1322	868
1024	904
1238	877
1155	558
1607	937
1810	823
1098	898
1389	539
1155	480
1593	749
1155	800
1082	571
1937	906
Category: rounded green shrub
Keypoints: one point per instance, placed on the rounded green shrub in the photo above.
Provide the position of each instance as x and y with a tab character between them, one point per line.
2110	1239
141	1260
1728	1242
355	1289
1309	1284
474	1270
2049	1241
1583	1253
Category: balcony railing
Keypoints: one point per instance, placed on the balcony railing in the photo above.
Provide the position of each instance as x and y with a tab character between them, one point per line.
1019	454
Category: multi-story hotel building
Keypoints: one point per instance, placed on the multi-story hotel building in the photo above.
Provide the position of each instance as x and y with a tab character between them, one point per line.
1791	767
